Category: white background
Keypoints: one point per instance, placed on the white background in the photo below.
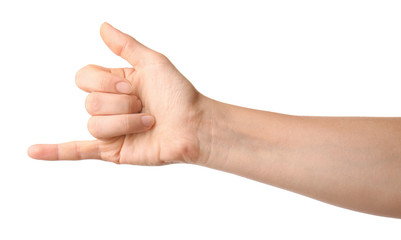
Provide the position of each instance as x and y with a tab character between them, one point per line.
297	57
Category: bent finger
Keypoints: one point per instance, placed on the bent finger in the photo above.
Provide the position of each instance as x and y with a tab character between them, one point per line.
98	103
118	125
92	78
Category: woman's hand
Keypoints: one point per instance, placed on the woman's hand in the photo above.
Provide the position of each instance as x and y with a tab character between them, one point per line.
148	114
349	162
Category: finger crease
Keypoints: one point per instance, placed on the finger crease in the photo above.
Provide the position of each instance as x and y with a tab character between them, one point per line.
99	153
127	124
78	154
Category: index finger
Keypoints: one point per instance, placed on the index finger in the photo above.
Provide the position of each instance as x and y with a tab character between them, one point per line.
92	78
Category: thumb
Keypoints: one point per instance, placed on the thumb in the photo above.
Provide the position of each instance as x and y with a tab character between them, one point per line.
124	45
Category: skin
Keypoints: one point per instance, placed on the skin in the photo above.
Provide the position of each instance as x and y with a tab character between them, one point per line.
350	162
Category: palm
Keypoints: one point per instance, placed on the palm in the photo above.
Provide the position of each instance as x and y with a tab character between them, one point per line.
167	95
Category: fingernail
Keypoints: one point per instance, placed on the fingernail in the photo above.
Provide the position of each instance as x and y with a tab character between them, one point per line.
123	87
147	120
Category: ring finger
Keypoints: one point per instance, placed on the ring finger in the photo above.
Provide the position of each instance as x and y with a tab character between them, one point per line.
98	103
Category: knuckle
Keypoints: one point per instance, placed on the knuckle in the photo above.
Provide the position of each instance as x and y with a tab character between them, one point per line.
92	128
81	73
89	67
157	57
78	77
92	103
160	57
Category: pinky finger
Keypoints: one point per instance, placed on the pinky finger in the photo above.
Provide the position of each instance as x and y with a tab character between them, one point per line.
66	151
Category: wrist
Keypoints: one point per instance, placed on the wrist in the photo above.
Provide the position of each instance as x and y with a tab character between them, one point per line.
242	141
225	133
206	107
219	134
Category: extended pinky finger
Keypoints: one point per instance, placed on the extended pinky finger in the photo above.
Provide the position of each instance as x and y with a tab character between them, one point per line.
66	151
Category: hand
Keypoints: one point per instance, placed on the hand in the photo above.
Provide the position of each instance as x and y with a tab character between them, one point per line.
147	115
350	162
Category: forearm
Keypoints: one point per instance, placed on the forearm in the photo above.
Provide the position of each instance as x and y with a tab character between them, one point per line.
350	162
